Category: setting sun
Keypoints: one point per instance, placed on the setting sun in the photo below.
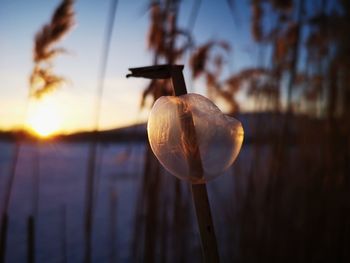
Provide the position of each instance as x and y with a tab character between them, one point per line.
44	118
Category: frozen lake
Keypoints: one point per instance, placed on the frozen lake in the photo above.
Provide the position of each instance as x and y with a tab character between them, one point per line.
60	209
62	169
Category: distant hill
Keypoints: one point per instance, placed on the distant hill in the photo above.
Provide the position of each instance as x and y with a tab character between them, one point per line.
137	132
263	126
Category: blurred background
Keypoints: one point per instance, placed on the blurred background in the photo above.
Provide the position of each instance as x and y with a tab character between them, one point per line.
78	181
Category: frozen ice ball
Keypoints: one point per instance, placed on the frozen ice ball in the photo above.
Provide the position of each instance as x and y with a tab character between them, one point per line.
218	137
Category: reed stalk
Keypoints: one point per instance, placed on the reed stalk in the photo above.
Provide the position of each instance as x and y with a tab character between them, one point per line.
4	223
199	191
31	232
92	160
64	234
30	239
13	170
112	226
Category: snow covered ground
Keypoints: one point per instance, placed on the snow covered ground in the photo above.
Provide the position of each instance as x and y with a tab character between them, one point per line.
62	177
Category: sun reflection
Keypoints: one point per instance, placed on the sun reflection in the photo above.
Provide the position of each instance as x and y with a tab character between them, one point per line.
44	118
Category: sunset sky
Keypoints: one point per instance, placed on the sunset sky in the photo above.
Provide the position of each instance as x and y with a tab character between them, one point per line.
73	103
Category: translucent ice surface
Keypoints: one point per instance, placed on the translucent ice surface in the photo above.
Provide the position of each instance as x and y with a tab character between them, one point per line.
179	126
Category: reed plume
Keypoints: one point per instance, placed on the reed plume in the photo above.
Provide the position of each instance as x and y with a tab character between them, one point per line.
42	79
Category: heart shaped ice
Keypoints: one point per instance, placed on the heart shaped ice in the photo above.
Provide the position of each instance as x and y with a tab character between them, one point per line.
180	126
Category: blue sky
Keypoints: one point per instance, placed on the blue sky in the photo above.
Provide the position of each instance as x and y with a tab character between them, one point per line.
21	19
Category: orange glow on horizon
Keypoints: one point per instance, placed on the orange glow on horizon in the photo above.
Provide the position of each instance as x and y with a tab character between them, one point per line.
44	118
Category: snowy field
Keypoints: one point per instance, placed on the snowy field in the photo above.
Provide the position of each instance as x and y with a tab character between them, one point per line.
60	208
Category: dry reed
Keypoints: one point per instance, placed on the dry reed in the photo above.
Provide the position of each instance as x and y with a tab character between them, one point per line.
42	79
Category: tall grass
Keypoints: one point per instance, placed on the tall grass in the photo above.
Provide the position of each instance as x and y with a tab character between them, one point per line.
42	81
287	199
93	150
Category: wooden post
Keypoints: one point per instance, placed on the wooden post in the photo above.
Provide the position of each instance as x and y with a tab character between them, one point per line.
199	191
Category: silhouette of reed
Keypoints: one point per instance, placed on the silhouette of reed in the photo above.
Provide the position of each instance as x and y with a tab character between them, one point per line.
288	180
287	197
42	79
150	220
93	150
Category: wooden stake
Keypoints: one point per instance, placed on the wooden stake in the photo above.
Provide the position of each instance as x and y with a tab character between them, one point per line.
199	191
